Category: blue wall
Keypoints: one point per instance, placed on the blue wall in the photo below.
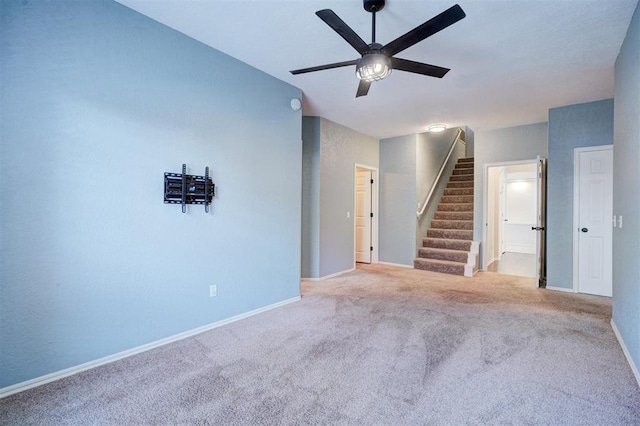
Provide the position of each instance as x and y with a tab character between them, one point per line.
398	200
573	126
331	152
340	149
310	197
626	193
97	102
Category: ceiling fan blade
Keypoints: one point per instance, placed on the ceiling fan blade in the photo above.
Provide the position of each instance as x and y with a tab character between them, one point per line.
323	67
418	67
429	28
363	88
339	26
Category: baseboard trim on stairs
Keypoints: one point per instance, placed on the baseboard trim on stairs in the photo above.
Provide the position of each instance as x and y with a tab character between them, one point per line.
399	265
51	377
326	277
627	355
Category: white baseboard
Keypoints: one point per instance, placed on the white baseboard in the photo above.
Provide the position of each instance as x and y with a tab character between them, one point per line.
399	265
627	355
514	248
326	277
566	290
39	381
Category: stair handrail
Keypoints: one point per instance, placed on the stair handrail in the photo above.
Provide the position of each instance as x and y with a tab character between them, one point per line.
435	183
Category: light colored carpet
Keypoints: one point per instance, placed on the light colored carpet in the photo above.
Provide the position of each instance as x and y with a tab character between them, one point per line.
380	345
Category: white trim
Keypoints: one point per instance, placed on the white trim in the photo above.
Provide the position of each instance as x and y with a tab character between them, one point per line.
375	175
514	248
39	381
566	290
399	265
627	355
576	206
326	277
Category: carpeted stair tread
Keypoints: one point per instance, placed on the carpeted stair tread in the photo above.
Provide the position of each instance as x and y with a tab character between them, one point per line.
461	184
456	234
447	199
461	178
455	207
464	171
459	191
466	165
447	243
466	160
453	215
443	266
452	224
443	254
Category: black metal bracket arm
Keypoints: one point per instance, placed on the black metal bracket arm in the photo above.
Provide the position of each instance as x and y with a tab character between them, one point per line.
181	188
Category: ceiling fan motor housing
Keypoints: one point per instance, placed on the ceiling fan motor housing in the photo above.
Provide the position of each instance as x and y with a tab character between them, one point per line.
373	5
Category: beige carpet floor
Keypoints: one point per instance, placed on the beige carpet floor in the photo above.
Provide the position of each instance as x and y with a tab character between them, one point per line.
380	345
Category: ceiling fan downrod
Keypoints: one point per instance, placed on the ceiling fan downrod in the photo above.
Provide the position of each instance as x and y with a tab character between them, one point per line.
373	6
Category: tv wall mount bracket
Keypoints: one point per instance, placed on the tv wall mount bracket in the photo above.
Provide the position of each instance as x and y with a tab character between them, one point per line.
181	188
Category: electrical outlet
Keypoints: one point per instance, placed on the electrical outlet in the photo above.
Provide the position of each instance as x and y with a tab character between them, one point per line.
213	290
348	215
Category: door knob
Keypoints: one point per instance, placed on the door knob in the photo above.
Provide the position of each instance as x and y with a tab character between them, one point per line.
585	229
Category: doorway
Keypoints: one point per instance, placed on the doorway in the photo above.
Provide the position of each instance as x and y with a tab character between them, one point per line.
593	228
365	214
514	212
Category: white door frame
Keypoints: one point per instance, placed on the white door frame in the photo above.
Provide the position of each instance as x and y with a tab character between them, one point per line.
576	205
374	209
485	204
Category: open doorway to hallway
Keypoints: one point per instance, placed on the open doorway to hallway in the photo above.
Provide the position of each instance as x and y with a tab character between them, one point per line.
512	215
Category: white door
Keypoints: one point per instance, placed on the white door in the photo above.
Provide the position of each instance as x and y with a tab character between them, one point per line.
363	217
595	209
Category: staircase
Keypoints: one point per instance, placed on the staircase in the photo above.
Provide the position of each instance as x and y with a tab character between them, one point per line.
449	247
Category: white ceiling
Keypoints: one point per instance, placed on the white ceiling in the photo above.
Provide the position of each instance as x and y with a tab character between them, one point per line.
510	60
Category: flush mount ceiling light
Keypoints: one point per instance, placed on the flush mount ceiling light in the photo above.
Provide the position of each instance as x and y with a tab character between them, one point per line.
437	128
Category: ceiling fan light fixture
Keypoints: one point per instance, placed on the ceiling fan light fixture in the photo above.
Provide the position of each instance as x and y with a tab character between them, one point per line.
437	128
373	67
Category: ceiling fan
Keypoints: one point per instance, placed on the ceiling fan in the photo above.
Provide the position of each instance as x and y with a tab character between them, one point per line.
377	60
